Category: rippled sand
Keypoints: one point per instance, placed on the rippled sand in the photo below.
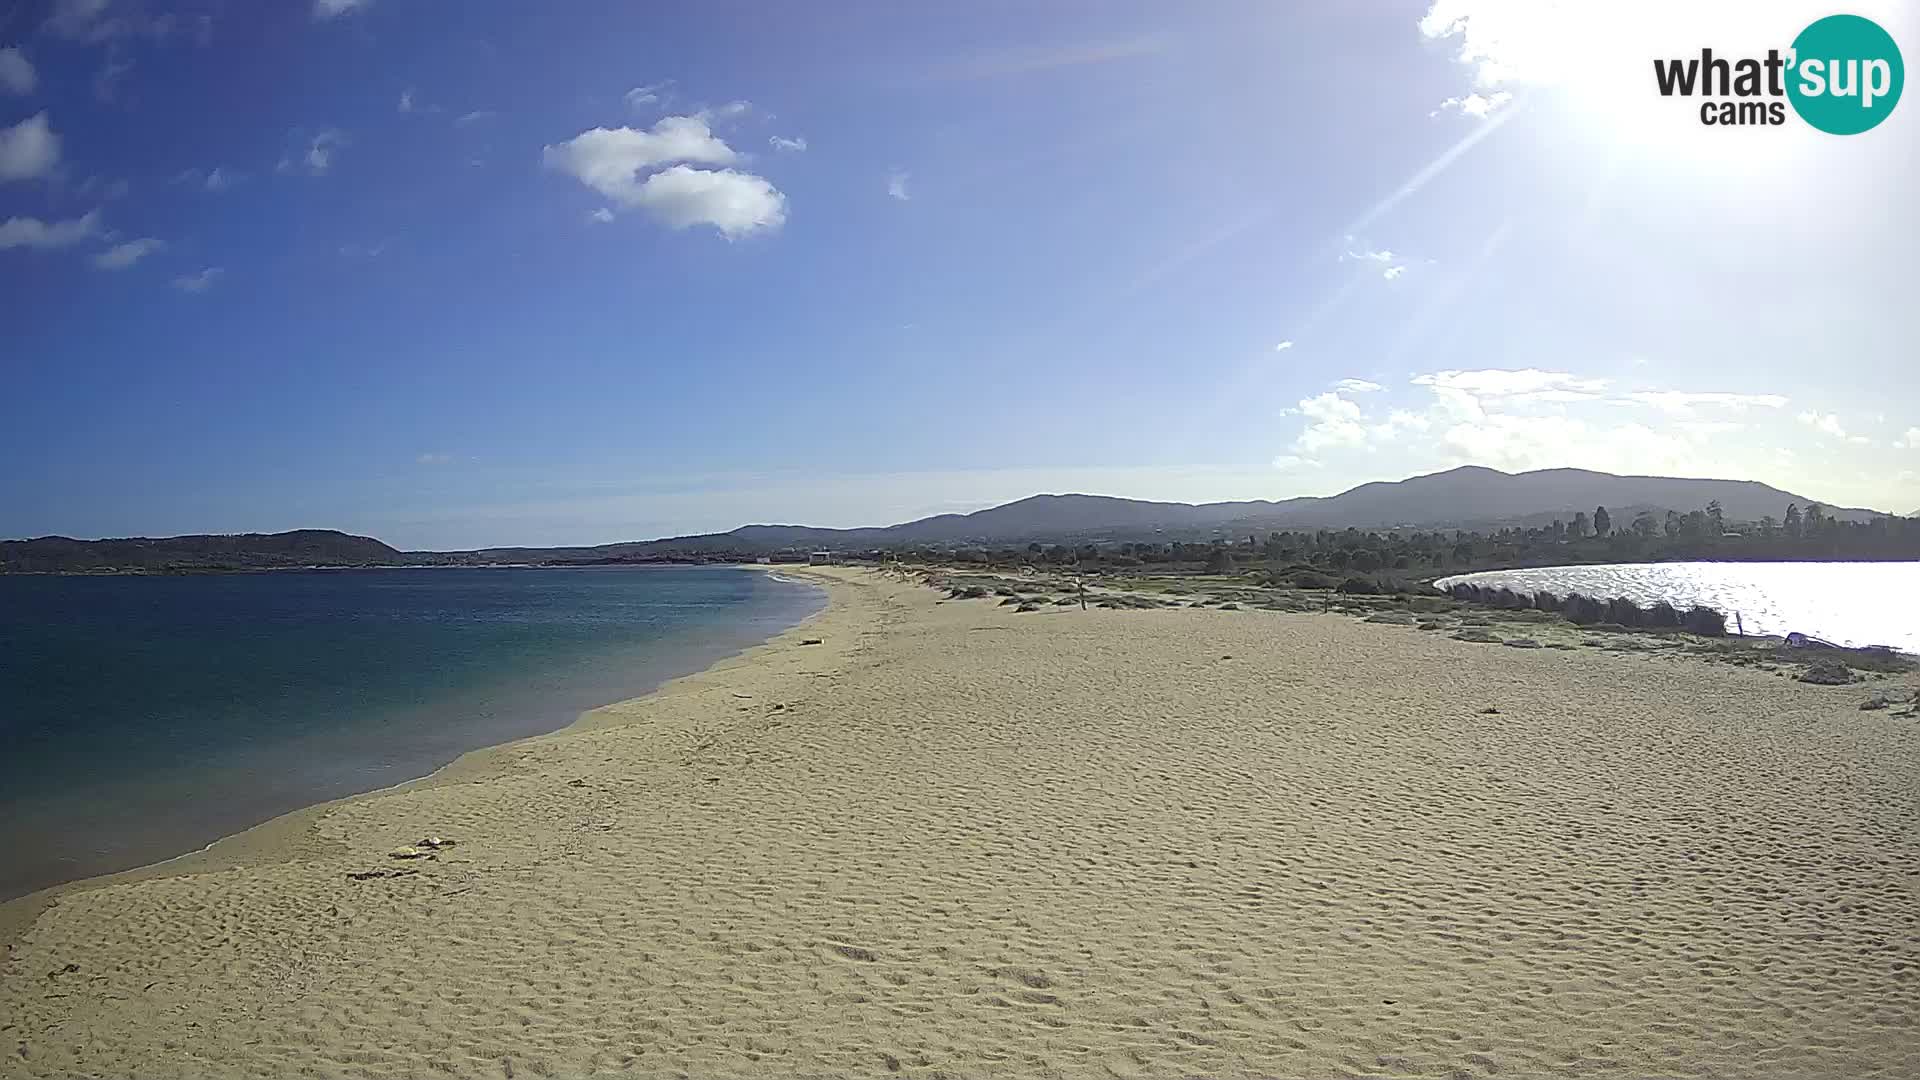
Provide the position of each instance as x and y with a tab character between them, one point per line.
956	841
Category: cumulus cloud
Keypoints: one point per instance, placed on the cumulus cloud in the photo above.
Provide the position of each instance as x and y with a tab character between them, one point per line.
16	72
1333	421
794	145
611	161
199	281
1283	346
1825	423
897	185
32	232
333	9
1476	105
121	256
28	149
1909	441
735	203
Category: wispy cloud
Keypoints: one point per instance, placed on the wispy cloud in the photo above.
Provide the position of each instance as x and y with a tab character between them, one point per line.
897	184
474	117
32	232
121	256
199	281
317	160
1391	265
435	459
333	9
17	75
1825	423
600	216
793	145
642	97
1283	346
1027	59
1357	386
219	178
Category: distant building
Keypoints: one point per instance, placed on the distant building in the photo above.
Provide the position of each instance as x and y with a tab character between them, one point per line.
819	558
764	561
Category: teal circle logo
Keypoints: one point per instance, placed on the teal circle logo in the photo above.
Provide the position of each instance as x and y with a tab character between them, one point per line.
1847	74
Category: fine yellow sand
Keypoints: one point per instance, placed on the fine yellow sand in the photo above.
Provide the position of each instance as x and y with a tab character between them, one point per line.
952	840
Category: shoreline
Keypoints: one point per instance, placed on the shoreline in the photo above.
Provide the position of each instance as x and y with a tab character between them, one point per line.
958	839
279	838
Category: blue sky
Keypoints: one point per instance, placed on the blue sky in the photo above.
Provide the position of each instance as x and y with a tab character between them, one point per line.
491	273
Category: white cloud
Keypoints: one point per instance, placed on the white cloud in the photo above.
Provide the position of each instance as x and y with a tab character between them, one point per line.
610	160
474	117
102	187
1681	403
1357	386
330	9
16	72
1475	105
1909	441
363	251
318	158
1333	422
28	149
602	215
1283	346
1500	382
1824	423
1390	264
406	100
897	185
728	111
795	144
642	96
1289	462
321	149
434	459
1398	423
121	256
35	233
735	203
199	281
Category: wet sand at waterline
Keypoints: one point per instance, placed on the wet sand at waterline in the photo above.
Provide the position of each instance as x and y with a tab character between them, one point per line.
954	840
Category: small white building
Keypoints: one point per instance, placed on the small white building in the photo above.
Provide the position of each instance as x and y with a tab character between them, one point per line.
819	558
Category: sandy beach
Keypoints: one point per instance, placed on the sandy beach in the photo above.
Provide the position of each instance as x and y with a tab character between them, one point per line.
950	840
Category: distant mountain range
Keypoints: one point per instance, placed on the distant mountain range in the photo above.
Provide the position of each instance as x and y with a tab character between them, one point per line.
1467	497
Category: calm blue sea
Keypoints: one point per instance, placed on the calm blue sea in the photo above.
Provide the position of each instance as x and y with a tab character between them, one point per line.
145	717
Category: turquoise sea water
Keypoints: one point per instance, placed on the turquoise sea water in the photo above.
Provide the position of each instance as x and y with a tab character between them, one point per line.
145	717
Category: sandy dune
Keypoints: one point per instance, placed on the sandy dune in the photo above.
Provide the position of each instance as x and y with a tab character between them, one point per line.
956	841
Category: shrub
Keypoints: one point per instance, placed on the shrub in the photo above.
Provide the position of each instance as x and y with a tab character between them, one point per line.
1311	579
1545	601
1356	585
973	592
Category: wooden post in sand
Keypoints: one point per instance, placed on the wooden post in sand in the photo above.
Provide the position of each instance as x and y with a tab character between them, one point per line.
1081	584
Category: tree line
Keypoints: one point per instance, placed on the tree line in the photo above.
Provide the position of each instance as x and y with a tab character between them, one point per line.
1806	533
